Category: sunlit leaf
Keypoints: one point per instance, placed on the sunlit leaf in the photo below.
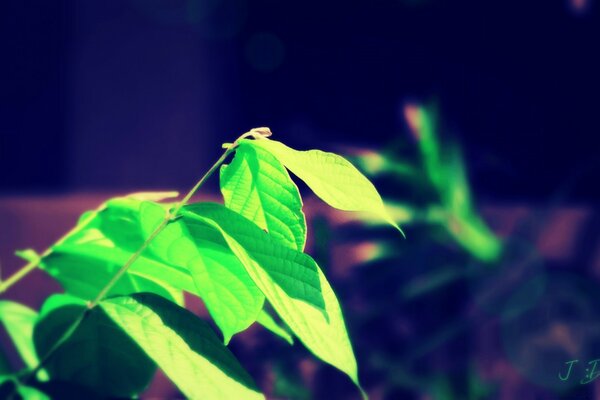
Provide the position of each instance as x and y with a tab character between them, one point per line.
333	178
268	322
184	347
270	265
18	321
230	295
84	270
99	355
28	255
86	261
257	186
273	267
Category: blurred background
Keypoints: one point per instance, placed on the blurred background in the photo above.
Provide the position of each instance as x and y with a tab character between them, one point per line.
477	119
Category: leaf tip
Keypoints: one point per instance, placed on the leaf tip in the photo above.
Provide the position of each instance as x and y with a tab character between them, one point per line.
28	255
393	223
363	394
227	338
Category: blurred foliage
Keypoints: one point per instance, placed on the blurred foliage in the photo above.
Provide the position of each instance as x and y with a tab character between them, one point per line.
437	316
407	298
433	173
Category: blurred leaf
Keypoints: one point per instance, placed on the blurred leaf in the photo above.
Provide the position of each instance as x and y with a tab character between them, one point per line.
152	196
87	260
257	186
183	346
28	255
475	237
431	281
445	168
18	321
423	125
374	163
98	355
5	367
268	322
463	222
14	390
456	194
287	384
478	388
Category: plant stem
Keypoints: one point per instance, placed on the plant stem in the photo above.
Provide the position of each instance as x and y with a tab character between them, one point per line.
20	274
169	217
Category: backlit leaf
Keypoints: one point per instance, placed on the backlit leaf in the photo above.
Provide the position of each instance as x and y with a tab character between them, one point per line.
84	270
268	322
273	267
269	264
257	186
28	255
184	347
333	178
106	239
99	355
18	321
230	295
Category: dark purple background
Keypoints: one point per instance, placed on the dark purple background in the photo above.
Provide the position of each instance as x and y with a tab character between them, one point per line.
140	94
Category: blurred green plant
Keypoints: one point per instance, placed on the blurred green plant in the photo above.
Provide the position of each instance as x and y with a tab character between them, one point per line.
125	266
437	169
410	317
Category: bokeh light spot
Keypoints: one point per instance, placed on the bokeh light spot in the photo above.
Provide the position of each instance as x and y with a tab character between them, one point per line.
211	19
579	7
265	52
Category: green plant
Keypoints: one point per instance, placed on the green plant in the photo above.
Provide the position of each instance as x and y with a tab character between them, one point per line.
436	178
124	268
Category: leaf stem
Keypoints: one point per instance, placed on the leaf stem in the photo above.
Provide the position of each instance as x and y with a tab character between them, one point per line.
20	274
170	216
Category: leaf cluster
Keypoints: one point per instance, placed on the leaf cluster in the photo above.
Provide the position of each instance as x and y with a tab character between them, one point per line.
126	265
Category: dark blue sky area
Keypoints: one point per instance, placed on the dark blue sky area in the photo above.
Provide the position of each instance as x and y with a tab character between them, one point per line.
140	94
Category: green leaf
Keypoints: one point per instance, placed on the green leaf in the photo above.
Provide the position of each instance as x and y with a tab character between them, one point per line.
286	277
5	367
266	320
84	270
273	267
101	244
184	347
257	186
463	222
18	321
326	339
28	255
98	355
14	390
333	178
231	297
152	196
